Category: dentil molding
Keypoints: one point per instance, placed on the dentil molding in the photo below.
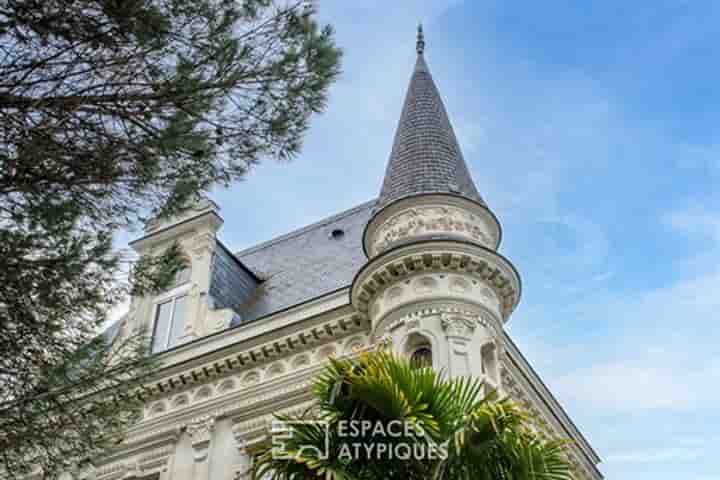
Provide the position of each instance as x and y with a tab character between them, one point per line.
432	270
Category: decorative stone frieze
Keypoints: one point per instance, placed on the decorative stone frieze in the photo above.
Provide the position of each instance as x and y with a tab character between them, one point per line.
244	359
416	318
255	432
457	325
431	216
431	220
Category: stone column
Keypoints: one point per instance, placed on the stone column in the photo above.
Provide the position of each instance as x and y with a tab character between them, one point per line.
201	439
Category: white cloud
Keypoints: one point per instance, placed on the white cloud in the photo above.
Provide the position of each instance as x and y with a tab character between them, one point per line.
696	220
656	455
629	386
665	354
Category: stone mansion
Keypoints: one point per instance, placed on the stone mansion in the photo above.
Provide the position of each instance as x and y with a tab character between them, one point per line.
241	335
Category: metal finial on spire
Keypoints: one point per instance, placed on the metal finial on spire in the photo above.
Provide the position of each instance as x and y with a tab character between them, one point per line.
420	46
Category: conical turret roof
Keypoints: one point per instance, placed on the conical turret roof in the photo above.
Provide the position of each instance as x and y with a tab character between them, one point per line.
426	156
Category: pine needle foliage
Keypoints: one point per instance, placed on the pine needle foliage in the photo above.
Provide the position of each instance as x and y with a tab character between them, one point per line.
113	112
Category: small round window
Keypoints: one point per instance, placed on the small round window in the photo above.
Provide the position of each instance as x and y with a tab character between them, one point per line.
337	234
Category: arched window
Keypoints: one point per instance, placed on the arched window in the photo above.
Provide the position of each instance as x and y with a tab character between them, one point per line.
419	350
421	357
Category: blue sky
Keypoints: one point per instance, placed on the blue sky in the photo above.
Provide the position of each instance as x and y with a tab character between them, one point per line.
592	130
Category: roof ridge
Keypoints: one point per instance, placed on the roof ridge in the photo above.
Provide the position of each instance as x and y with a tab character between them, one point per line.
305	229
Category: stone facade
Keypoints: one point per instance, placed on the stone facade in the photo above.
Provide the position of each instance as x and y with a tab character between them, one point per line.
430	281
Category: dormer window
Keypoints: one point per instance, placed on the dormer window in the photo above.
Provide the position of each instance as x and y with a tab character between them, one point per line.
170	318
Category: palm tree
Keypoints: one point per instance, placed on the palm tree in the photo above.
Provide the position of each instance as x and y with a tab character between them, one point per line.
430	428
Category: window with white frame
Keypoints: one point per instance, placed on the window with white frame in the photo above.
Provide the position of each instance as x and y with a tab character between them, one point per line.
170	318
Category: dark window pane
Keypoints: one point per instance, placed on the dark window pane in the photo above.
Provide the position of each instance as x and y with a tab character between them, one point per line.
162	324
421	357
178	323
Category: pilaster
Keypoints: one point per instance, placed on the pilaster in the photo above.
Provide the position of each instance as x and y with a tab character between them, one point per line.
200	433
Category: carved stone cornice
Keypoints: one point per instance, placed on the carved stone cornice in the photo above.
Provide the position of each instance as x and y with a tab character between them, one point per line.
258	398
485	267
238	358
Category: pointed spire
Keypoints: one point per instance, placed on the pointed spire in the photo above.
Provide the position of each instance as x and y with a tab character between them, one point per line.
426	156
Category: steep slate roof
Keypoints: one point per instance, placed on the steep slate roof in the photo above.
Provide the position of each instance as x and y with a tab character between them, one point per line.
306	263
309	262
426	156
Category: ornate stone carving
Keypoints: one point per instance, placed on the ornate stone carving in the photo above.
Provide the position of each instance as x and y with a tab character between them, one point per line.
453	319
428	220
446	269
354	345
118	470
456	325
200	433
156	459
251	378
254	356
300	361
385	341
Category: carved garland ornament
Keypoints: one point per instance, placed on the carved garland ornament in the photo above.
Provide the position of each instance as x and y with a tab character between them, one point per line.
457	325
430	219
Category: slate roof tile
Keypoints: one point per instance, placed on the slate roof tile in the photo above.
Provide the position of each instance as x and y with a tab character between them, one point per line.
306	263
